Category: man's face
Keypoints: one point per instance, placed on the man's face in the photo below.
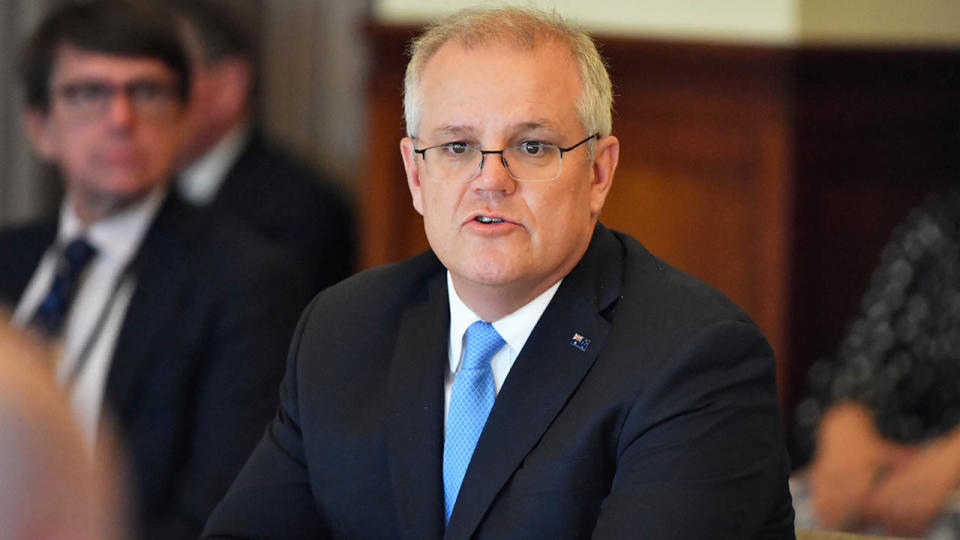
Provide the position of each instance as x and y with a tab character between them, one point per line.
112	126
495	96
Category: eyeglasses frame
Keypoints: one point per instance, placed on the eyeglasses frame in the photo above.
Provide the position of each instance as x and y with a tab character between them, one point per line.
127	90
503	160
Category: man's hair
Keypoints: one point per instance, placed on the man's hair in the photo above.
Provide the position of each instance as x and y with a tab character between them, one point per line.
524	29
113	27
218	30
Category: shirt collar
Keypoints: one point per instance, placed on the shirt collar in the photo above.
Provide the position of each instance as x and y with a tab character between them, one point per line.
115	237
514	328
200	182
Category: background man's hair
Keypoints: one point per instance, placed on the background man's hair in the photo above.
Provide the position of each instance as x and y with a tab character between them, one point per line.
524	29
218	30
114	27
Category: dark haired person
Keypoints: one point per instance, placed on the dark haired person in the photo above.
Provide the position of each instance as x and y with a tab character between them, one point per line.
169	323
232	169
884	411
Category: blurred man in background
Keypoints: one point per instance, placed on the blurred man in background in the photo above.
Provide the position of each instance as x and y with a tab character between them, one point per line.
232	170
173	322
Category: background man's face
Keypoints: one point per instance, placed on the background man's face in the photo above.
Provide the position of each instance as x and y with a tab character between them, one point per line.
112	126
494	96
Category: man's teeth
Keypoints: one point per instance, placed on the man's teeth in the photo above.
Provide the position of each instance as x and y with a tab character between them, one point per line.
485	219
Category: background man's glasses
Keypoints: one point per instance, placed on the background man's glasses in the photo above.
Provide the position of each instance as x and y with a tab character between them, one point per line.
528	161
149	98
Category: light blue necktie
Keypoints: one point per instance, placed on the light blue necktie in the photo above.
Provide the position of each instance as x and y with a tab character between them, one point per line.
471	399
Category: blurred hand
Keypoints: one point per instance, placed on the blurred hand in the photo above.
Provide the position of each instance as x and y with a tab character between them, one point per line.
851	459
908	501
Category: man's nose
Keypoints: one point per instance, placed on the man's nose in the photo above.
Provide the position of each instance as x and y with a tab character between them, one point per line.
120	109
494	174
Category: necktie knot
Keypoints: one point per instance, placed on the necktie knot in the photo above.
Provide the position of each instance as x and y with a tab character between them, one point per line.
77	254
481	341
74	257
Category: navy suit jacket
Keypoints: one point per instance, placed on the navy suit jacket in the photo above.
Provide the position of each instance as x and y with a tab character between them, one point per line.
197	362
665	425
294	209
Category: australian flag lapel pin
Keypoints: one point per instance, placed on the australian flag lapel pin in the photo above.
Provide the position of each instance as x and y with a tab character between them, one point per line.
580	342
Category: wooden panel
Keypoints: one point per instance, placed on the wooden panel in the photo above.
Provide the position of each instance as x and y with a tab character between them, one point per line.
704	175
389	226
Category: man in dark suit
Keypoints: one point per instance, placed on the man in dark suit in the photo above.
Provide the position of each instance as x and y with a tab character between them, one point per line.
230	167
612	396
168	323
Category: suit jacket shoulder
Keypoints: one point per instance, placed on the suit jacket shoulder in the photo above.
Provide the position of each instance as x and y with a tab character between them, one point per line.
21	248
660	300
293	207
383	291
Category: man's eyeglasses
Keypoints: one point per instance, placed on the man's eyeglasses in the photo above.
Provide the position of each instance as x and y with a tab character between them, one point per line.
527	161
150	99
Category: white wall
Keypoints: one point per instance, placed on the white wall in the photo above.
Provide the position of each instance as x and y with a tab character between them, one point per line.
900	22
785	22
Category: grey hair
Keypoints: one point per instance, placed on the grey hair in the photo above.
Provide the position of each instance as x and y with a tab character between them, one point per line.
524	28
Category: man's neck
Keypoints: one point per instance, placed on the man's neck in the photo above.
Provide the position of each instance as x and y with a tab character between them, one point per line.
494	302
200	182
203	144
91	208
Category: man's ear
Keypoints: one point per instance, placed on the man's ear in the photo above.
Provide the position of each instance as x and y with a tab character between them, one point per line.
37	123
605	158
233	78
412	168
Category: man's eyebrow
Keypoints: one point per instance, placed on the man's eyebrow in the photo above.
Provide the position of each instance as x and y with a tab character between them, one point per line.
454	130
538	123
97	79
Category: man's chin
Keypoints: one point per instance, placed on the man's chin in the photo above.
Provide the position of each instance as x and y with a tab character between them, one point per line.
490	274
109	199
124	195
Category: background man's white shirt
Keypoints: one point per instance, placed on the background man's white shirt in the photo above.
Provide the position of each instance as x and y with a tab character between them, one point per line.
117	240
200	182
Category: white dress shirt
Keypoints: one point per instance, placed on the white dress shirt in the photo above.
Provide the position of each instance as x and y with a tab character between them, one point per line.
93	323
515	328
200	182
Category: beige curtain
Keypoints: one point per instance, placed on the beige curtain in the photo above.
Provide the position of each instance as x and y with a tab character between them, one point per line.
26	188
314	81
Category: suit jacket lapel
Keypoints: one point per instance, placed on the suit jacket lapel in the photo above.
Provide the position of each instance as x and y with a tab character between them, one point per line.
545	374
415	431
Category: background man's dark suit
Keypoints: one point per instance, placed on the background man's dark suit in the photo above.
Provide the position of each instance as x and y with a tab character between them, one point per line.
293	208
665	426
194	375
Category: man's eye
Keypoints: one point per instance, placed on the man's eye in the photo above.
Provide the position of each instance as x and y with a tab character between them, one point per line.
456	147
145	91
87	92
532	148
